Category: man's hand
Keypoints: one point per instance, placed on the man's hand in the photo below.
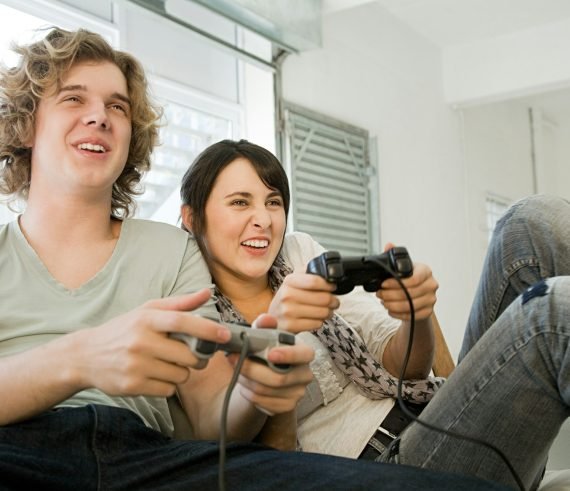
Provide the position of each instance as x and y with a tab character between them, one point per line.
303	302
134	355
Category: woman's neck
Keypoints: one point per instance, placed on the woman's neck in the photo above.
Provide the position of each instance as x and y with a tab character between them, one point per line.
250	297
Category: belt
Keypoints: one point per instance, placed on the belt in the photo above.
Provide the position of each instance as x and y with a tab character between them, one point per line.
393	424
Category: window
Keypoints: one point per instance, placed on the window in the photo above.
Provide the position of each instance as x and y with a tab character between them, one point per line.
193	121
331	181
496	206
214	94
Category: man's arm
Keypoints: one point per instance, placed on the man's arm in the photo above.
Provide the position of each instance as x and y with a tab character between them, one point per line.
129	355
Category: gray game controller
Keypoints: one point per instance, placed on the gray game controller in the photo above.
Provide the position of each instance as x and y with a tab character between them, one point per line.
260	341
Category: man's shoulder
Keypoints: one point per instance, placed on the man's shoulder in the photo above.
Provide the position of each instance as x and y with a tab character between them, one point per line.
155	231
6	232
157	238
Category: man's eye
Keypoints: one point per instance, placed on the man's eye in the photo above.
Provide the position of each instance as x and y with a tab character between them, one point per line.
119	107
72	99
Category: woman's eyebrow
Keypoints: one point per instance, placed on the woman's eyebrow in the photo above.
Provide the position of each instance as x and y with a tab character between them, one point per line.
243	194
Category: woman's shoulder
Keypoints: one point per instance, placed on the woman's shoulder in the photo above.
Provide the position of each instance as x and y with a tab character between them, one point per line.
297	239
299	248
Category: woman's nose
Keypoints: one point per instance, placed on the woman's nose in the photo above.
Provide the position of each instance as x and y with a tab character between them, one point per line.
261	218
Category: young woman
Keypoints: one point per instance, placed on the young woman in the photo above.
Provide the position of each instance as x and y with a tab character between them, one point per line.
235	201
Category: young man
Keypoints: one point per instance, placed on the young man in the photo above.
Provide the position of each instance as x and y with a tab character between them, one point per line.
89	299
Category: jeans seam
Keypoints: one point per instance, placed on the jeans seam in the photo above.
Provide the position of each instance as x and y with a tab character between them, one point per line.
94	445
510	271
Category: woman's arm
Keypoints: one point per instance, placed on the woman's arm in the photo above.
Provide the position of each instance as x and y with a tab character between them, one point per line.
260	391
421	287
383	331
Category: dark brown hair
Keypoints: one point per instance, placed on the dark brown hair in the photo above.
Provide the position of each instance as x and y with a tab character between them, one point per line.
200	177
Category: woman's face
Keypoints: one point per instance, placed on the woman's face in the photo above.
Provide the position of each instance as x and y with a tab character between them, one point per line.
245	225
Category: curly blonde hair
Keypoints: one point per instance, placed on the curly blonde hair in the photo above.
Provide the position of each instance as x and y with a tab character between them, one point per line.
41	68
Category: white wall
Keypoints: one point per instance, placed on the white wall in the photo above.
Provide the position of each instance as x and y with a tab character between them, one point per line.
376	73
519	63
497	149
435	163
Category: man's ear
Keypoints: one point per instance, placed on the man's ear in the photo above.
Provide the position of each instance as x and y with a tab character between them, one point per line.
186	215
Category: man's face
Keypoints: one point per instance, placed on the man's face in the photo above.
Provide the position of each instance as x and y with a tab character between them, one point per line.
82	133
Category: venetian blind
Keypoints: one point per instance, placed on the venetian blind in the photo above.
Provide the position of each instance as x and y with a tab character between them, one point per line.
330	180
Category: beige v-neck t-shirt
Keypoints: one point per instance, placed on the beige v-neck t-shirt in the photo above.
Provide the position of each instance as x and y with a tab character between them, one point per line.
151	260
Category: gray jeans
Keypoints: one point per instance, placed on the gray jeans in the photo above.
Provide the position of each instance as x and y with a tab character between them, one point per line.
512	385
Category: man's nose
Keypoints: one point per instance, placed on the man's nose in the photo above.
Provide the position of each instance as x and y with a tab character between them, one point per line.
97	116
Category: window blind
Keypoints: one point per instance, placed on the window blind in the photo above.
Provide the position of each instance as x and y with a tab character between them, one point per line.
331	176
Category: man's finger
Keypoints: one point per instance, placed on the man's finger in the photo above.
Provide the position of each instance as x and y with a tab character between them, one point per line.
186	302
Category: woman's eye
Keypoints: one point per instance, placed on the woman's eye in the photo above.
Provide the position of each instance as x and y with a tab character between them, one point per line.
239	202
72	99
275	202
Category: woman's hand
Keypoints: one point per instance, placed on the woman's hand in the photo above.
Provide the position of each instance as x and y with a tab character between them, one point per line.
421	287
303	302
274	392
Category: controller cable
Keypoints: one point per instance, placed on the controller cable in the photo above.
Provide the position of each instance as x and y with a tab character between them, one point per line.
225	407
401	402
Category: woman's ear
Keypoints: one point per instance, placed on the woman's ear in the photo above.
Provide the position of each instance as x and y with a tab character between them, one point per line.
186	215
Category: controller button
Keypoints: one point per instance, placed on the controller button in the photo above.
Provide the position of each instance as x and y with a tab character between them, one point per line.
206	347
286	338
404	265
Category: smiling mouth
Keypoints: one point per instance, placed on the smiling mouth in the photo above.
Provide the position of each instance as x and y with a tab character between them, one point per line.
256	244
92	148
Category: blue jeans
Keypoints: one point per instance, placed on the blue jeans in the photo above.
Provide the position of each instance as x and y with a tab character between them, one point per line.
512	385
530	242
104	448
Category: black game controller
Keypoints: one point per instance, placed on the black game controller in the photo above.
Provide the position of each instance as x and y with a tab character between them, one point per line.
260	342
368	271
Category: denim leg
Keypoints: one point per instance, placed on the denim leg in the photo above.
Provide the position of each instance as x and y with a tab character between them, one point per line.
105	448
50	452
530	242
511	390
132	456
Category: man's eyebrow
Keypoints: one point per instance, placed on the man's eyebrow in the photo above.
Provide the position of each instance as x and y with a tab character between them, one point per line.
121	97
83	88
71	88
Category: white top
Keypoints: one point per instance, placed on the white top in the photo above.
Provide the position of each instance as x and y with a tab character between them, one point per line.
346	420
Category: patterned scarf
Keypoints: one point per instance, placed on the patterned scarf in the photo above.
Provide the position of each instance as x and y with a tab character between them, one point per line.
347	350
